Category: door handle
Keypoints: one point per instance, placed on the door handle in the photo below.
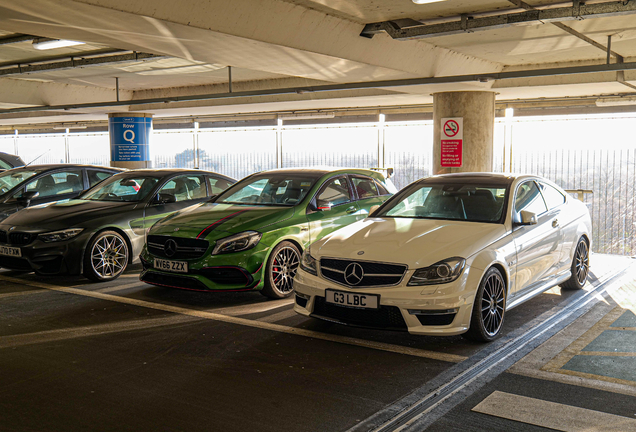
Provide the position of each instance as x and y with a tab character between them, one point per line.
555	223
351	209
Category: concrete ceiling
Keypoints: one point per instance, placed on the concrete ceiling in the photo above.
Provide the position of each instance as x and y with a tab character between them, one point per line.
288	44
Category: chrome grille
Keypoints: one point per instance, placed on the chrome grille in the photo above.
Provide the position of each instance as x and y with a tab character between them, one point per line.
375	274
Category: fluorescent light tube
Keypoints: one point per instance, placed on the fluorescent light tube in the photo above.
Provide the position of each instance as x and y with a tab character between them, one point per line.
616	101
47	43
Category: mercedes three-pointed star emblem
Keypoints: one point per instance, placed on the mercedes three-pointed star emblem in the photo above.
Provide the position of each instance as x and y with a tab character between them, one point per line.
170	248
353	274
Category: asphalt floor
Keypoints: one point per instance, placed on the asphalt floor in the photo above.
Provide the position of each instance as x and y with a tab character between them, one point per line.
120	356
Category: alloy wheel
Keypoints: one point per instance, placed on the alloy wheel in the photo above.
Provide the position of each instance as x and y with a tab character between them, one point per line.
582	262
284	268
492	304
109	256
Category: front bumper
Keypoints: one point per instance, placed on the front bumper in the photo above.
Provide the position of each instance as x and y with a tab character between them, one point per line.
64	257
437	310
241	271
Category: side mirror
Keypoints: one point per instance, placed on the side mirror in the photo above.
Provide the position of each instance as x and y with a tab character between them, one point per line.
213	197
25	199
165	198
373	209
528	218
322	205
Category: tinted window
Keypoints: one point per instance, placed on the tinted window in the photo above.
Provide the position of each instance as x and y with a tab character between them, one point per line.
365	187
95	177
218	185
59	183
117	188
185	188
10	179
552	196
333	193
4	165
529	199
381	189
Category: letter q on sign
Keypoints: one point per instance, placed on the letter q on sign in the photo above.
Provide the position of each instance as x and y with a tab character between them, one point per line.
129	136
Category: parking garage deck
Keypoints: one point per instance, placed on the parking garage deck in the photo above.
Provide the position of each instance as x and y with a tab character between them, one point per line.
127	356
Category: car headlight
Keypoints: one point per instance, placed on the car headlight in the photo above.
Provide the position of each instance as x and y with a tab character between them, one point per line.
308	263
236	243
55	236
442	272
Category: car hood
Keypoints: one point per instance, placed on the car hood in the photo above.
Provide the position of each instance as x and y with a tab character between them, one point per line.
66	214
415	242
211	220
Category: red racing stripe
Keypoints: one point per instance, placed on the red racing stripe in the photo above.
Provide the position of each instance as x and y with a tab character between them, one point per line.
211	228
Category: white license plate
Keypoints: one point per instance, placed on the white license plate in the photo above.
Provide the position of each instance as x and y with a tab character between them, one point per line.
354	300
10	251
171	266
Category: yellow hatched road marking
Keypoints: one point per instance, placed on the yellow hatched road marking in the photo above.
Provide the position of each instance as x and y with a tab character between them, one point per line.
552	415
246	322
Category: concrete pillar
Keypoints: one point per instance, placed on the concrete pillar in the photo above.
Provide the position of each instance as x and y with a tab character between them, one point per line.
474	113
130	140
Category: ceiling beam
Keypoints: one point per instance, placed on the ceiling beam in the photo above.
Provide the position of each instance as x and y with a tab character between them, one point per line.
533	73
20	69
468	24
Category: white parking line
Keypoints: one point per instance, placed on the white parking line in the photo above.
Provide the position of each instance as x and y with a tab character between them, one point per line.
249	323
13	341
552	415
278	316
21	293
253	307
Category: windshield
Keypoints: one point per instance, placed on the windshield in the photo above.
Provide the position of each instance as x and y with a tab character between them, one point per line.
452	201
269	189
10	179
129	189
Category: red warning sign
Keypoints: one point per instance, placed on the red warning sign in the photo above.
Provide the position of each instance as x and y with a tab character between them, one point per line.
452	142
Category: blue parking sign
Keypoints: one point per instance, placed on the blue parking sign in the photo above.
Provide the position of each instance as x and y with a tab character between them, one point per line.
129	138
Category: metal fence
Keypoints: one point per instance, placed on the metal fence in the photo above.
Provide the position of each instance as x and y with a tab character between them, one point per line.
588	153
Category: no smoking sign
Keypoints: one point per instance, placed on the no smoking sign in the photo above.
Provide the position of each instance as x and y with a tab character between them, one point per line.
452	141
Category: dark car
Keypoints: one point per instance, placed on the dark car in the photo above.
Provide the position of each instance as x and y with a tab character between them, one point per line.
40	184
103	230
9	161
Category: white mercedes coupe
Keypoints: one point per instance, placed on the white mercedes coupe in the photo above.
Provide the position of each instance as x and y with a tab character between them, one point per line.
448	255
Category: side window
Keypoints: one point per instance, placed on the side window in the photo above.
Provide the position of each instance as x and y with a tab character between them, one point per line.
381	189
95	177
529	199
365	187
552	196
185	188
334	192
59	183
218	185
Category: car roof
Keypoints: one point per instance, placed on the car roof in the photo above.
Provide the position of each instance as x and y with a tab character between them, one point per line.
320	171
168	171
48	167
477	177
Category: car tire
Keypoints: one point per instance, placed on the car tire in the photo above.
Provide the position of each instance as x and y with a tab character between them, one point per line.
488	312
580	267
106	257
282	266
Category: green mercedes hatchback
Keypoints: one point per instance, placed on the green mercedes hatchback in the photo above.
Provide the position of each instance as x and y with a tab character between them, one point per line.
251	236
